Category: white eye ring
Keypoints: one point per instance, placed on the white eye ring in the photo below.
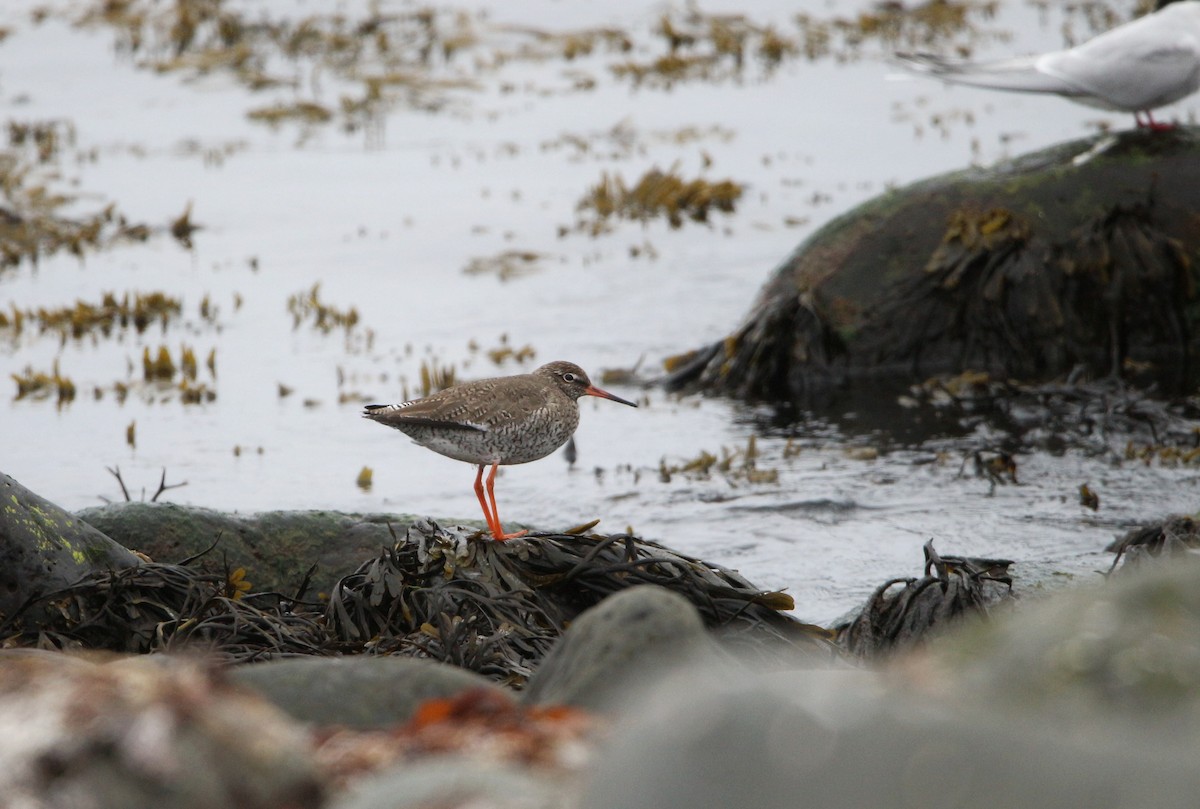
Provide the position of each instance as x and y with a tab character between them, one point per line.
568	377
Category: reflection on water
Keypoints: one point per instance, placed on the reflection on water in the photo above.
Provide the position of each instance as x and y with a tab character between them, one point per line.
405	224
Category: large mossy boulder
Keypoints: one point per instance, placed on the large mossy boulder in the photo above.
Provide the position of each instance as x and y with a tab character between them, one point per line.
276	548
44	548
1083	257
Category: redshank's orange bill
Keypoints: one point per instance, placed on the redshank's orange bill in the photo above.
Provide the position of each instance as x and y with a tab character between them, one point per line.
592	390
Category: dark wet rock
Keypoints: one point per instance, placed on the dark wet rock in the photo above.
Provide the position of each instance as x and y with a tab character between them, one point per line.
1165	539
276	548
363	691
896	618
628	638
42	549
1089	698
454	781
1081	257
144	733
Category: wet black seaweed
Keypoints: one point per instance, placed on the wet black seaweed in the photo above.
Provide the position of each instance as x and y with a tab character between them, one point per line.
491	607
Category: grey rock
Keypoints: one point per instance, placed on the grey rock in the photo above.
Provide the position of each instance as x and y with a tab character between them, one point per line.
359	692
453	781
1087	699
275	547
143	733
44	548
622	642
767	743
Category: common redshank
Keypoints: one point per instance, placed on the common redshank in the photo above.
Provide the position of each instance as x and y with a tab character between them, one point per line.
503	420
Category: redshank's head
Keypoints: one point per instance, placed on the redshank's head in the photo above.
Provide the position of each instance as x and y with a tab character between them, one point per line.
574	382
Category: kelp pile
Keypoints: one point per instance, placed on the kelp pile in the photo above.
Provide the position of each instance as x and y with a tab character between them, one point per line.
496	608
995	296
491	607
1116	297
159	607
1172	537
952	586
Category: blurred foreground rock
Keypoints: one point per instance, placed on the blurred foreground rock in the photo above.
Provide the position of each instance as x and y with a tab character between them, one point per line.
630	637
142	733
1089	699
361	691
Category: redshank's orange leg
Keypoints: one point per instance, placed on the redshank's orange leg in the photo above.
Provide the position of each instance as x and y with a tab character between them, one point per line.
497	528
487	514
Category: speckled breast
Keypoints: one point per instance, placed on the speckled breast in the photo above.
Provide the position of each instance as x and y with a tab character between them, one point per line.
508	440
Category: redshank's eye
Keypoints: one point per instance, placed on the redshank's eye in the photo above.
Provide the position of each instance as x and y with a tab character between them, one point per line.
569	377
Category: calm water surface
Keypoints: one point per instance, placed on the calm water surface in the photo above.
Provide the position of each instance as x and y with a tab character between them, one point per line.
387	220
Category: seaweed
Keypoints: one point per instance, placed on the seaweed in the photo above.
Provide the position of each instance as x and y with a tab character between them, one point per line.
36	384
492	607
953	586
307	305
498	607
507	264
157	607
1176	536
656	193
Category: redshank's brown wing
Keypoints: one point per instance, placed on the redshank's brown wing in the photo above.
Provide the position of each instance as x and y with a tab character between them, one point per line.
413	414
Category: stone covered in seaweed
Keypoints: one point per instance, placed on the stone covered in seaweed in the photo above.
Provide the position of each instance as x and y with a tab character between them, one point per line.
1081	258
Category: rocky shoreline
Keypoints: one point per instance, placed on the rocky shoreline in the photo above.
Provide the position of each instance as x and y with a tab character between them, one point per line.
633	694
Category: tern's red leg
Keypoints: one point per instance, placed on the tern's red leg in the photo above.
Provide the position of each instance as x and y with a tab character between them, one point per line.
1151	124
492	524
497	528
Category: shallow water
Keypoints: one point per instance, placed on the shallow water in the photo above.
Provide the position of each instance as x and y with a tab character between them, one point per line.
387	219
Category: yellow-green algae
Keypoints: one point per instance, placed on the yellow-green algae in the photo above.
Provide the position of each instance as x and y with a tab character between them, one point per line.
47	531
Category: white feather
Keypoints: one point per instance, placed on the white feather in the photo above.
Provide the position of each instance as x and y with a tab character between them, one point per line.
1139	66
